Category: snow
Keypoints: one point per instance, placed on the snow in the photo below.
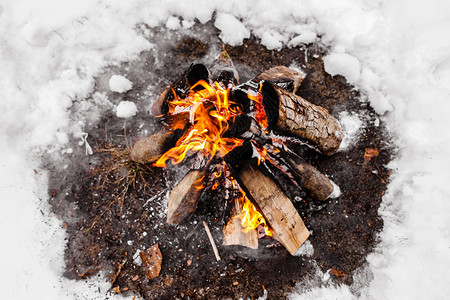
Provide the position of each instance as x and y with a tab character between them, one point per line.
119	84
232	30
126	109
396	53
351	125
343	64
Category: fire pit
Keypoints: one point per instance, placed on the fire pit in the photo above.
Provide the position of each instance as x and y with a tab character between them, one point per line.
232	136
115	210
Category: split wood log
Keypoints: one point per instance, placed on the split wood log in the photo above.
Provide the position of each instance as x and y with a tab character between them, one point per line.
184	196
149	149
282	76
232	231
291	113
275	206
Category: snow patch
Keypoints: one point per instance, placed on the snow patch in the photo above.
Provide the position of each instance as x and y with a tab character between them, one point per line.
306	249
233	32
351	125
336	191
119	84
343	64
126	109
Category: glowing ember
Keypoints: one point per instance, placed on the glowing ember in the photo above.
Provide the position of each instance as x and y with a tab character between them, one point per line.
210	110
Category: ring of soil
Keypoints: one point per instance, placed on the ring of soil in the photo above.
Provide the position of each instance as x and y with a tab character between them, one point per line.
112	213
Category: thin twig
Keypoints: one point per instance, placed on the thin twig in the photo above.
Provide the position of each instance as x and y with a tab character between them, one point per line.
211	240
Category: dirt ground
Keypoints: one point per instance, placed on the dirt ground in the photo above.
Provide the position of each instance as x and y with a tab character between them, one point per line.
113	210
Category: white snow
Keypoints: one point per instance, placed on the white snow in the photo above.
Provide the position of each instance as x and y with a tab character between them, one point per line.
343	64
232	30
120	84
351	125
126	109
396	53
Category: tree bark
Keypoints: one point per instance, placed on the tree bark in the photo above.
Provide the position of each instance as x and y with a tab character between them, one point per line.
275	206
319	186
306	120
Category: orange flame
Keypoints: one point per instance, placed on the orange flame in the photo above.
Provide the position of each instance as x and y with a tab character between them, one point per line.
209	111
259	114
250	217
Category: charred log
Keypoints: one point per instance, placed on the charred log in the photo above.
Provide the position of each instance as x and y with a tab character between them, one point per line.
225	72
180	88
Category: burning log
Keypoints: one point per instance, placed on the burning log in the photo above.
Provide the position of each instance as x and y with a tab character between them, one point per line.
232	231
277	209
291	113
184	196
179	88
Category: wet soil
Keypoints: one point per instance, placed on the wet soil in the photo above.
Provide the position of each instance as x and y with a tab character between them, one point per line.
110	218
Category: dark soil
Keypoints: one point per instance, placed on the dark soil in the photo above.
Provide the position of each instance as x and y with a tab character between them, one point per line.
110	221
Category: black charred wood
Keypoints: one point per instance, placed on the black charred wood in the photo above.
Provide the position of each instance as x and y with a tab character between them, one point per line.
181	87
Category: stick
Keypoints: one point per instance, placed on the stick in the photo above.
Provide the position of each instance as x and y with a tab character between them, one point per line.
211	240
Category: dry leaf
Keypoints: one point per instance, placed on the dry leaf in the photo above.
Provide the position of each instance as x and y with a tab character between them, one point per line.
152	259
369	153
116	289
337	273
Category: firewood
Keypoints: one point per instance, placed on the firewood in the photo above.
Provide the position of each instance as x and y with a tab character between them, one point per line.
232	231
157	107
149	149
282	76
180	88
275	206
307	177
291	113
184	196
319	186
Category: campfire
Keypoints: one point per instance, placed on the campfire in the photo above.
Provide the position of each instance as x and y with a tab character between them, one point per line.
232	136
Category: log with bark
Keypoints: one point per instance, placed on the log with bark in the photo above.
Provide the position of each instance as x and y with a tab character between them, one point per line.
291	113
150	148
